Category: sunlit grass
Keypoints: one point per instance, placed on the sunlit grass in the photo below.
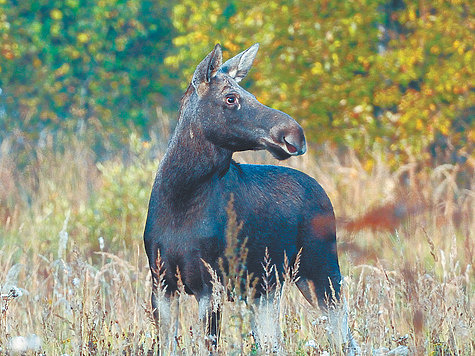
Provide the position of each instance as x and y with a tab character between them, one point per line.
66	291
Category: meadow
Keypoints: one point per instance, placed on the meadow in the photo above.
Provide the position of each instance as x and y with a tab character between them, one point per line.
74	276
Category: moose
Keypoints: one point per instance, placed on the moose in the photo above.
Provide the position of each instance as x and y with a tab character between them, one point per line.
282	210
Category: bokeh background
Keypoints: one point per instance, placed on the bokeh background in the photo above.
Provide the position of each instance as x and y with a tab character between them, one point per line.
391	74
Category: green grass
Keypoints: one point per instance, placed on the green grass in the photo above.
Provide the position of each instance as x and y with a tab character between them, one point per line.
409	284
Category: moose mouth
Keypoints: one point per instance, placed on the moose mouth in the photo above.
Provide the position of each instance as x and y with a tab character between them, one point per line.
291	149
285	149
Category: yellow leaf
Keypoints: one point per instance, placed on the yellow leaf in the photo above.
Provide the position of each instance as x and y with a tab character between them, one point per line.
444	129
419	124
336	60
317	68
56	14
368	166
83	37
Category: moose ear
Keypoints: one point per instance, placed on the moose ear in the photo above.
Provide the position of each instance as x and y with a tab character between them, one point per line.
208	67
238	66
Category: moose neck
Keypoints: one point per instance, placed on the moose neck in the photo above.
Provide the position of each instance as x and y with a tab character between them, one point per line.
191	162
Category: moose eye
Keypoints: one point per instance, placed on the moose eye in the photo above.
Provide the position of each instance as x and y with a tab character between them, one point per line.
231	100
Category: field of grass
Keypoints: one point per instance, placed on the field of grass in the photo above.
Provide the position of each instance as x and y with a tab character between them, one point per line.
74	276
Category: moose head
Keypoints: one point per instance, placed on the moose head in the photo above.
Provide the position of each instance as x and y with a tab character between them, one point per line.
230	117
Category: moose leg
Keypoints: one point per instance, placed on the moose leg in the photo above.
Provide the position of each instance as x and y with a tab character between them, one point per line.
265	322
162	318
339	333
210	316
161	304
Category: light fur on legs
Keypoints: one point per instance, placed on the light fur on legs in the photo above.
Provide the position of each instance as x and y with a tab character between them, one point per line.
209	315
163	319
339	332
265	323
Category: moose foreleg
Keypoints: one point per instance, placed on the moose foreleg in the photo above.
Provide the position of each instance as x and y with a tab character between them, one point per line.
265	323
161	304
339	332
210	316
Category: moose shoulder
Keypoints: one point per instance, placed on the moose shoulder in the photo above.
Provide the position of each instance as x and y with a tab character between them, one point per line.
281	209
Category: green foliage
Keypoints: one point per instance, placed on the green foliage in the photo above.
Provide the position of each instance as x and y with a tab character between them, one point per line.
359	73
107	199
118	211
68	63
426	76
397	75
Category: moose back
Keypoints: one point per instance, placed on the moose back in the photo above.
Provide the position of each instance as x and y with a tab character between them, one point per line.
281	209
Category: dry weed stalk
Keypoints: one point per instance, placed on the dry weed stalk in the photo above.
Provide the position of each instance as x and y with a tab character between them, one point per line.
408	286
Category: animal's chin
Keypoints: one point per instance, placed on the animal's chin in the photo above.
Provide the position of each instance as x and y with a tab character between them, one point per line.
283	150
278	153
276	150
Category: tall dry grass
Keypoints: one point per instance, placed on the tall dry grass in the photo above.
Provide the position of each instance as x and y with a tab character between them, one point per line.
74	277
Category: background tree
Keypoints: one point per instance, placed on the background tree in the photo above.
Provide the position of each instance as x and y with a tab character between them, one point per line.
394	74
70	64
